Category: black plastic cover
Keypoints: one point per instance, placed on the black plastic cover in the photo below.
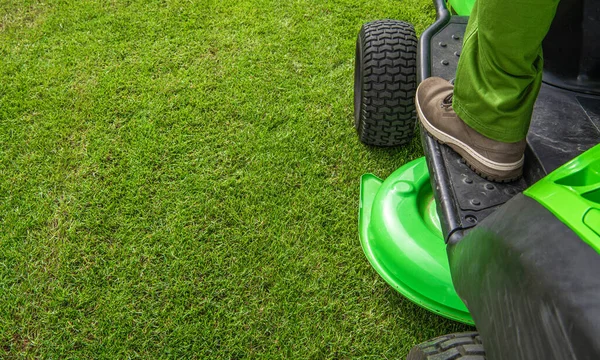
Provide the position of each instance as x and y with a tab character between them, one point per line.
530	283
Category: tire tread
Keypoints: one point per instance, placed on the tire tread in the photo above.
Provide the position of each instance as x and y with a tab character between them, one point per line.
387	112
459	346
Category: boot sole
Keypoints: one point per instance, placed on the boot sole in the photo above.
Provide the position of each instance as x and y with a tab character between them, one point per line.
486	168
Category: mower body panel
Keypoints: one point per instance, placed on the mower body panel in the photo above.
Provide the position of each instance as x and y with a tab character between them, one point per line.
572	194
461	7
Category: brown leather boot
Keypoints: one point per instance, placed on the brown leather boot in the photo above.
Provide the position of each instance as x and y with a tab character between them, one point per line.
493	160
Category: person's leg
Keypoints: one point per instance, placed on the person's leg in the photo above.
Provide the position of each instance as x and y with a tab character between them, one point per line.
500	69
497	82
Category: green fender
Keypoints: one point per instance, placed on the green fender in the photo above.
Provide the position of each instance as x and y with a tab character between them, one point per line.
572	194
461	7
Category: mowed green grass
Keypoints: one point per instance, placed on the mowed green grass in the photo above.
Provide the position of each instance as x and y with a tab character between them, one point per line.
180	179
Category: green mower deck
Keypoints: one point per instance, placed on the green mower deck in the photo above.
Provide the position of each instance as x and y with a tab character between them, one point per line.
401	236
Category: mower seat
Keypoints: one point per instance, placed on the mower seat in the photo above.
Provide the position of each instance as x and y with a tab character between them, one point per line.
572	49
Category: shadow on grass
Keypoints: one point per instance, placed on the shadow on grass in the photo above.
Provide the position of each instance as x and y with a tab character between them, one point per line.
422	324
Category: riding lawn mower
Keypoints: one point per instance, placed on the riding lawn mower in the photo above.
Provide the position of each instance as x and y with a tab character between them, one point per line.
519	260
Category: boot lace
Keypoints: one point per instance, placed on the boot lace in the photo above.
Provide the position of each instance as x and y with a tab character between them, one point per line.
447	102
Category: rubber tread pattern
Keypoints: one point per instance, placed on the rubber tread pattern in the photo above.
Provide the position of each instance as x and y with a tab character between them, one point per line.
463	346
387	114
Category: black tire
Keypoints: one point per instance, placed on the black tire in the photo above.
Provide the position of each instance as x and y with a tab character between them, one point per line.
466	346
385	81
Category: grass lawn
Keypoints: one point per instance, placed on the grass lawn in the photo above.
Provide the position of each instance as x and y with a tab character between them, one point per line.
180	178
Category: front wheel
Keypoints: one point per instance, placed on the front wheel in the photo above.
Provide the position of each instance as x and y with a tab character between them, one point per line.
385	81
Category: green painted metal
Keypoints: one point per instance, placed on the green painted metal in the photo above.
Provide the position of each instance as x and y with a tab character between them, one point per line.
461	7
401	236
572	194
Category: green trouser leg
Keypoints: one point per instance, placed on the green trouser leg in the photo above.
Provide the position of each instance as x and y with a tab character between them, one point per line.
499	73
